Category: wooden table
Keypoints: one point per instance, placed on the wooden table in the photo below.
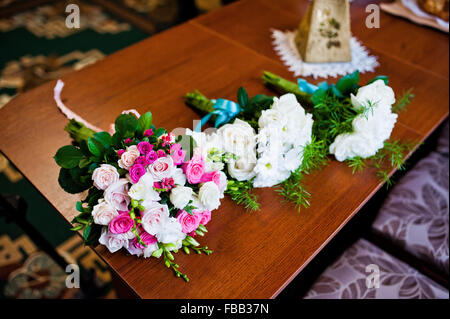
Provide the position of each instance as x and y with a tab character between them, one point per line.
255	255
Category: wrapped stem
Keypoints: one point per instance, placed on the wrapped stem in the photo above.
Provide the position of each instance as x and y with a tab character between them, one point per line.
199	102
283	86
78	131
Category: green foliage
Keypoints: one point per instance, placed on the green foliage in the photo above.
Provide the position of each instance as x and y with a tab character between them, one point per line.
404	100
241	193
71	182
292	189
391	156
68	156
144	122
126	125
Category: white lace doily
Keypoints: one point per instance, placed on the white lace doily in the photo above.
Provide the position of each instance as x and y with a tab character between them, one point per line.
284	45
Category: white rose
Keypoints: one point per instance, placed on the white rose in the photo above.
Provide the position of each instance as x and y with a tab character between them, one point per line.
269	171
127	159
241	169
285	104
223	183
350	145
180	196
143	190
214	166
104	176
293	158
238	138
209	195
161	168
154	216
376	93
170	231
103	213
370	132
113	242
178	177
272	117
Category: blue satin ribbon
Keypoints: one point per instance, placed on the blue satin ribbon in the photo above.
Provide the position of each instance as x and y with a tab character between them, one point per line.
225	110
309	88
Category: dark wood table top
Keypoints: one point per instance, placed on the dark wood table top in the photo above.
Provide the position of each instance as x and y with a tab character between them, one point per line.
255	255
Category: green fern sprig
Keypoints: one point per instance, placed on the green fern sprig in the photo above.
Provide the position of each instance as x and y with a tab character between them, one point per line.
241	193
294	191
401	103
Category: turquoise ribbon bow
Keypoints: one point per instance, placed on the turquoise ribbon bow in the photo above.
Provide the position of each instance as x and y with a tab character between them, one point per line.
225	110
309	88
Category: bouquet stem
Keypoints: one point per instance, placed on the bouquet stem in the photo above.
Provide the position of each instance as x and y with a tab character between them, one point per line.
78	131
199	102
283	86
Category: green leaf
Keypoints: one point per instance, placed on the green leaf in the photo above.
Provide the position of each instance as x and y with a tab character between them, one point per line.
95	147
347	84
84	162
70	185
91	233
145	122
126	125
68	156
380	77
104	138
242	97
160	131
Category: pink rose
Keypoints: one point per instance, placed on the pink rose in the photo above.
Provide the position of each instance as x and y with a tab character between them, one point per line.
117	195
205	217
148	132
194	169
127	159
189	223
128	141
213	176
161	168
177	154
104	176
120	152
146	238
151	157
154	217
161	153
141	160
144	147
121	224
136	172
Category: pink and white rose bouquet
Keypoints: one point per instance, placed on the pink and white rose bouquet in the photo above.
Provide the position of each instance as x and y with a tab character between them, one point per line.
149	194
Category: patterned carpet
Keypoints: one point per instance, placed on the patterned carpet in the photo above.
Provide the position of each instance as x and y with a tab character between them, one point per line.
36	47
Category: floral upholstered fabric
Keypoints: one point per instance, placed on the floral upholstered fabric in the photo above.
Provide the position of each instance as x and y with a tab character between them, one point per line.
352	276
415	214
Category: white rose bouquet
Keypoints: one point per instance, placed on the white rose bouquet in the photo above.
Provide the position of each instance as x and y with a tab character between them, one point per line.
148	193
262	147
352	122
